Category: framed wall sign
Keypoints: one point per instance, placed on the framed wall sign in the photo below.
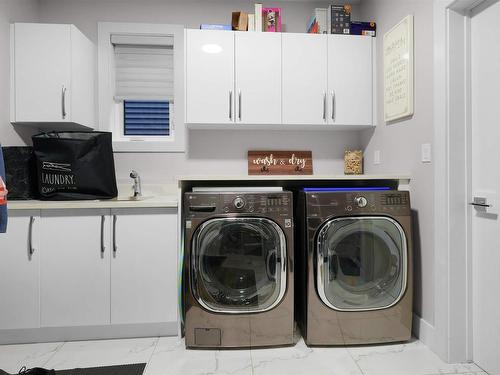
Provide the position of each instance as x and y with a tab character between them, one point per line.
280	163
398	71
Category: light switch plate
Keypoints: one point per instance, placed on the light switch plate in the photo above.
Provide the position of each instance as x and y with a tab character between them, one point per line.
376	157
426	153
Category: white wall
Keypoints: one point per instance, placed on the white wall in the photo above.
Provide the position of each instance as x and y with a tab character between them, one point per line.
219	152
400	143
10	11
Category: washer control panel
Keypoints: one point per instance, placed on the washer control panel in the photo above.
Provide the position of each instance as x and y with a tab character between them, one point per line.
201	204
278	203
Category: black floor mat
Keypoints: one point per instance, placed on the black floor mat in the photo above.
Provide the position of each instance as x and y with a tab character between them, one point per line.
134	369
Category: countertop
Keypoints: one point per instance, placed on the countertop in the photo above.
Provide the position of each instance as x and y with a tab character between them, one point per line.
403	178
164	196
166	201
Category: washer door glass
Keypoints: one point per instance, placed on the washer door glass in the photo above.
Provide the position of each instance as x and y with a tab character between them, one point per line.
238	265
361	263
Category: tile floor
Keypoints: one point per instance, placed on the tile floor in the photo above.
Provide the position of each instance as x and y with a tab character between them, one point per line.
167	356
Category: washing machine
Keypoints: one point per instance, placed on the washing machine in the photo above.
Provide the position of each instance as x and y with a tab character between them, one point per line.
238	269
354	263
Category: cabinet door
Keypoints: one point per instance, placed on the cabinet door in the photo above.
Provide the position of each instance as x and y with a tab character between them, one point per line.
75	268
258	78
42	72
350	80
209	77
304	78
19	271
144	266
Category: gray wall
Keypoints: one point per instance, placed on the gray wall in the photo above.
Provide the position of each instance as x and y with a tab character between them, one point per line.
400	143
10	11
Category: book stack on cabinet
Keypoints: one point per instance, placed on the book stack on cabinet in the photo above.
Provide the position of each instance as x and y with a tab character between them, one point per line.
336	19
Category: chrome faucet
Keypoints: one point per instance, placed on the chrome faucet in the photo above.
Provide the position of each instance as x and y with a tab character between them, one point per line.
137	183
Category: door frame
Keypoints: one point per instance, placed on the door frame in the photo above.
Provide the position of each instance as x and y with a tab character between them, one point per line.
452	338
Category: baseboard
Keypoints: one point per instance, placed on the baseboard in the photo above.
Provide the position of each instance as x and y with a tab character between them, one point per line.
119	331
424	331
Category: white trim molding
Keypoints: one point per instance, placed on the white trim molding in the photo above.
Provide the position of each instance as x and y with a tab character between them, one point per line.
453	301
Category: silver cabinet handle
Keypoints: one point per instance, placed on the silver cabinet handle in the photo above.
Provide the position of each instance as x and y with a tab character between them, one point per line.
231	105
333	106
239	105
103	247
324	106
63	102
115	248
30	236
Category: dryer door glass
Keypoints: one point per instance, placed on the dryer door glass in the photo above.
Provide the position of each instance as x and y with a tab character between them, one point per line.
238	265
361	263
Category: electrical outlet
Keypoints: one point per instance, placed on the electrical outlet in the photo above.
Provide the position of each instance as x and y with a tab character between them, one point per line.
426	153
376	157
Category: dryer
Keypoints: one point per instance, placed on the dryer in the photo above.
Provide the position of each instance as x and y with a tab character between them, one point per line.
238	269
355	267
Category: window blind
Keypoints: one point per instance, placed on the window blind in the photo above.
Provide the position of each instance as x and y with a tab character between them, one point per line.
147	118
144	67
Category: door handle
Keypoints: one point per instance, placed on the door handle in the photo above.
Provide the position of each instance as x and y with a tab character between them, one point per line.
31	249
231	105
480	202
115	247
103	247
333	106
63	102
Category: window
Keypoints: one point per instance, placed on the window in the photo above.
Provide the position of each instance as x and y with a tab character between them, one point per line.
146	118
141	86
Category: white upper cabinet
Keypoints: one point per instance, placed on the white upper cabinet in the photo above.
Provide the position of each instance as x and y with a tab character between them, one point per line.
305	70
19	272
144	266
258	78
277	79
52	76
350	80
209	76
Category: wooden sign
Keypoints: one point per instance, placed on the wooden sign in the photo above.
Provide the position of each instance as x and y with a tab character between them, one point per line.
398	71
280	163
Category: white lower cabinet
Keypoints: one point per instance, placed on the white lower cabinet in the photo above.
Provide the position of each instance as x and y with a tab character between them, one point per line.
19	271
74	268
67	269
143	266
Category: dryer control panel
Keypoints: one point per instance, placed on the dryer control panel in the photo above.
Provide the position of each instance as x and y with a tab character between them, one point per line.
390	203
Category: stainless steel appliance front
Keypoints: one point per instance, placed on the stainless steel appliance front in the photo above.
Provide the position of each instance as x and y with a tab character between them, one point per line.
238	287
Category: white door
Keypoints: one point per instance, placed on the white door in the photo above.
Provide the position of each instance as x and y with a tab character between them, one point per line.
210	77
75	268
42	72
144	266
19	271
485	86
258	78
304	79
350	80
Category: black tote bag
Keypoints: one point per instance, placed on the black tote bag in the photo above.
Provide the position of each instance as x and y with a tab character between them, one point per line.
75	165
